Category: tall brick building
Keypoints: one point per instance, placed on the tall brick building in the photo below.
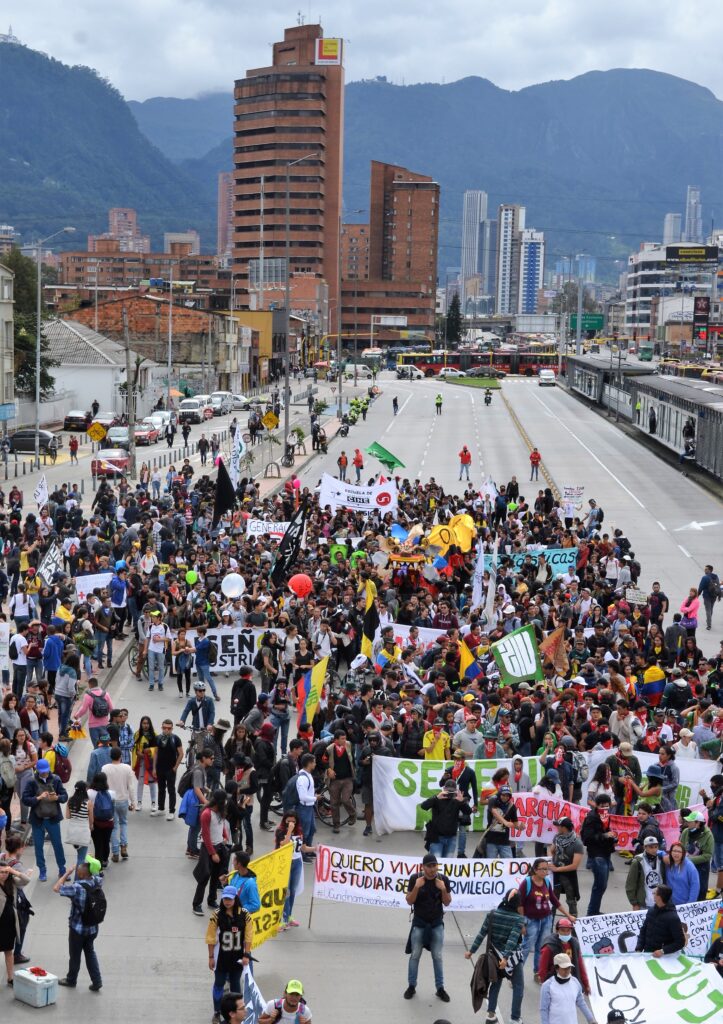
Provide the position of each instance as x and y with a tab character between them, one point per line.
293	108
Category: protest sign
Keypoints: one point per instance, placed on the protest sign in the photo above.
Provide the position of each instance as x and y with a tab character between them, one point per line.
377	498
260	528
633	596
85	585
272	878
517	656
426	637
253	1000
559	559
51	564
573	492
606	934
5	646
40	494
646	990
236	647
381	880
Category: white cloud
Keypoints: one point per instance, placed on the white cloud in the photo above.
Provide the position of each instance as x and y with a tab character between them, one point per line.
183	47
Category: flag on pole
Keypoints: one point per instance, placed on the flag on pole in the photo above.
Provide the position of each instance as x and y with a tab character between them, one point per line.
309	692
389	461
371	620
478	578
238	450
469	667
492	586
41	492
225	493
289	547
552	649
51	564
517	656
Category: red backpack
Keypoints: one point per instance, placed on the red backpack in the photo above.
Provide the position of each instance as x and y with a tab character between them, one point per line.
63	767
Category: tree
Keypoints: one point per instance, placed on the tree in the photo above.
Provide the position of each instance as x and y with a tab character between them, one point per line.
566	300
454	321
25	294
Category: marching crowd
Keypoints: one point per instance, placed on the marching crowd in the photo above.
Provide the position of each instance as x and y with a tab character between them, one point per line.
626	678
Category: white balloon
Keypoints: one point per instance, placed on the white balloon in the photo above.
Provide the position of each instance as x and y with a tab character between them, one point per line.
380	558
233	585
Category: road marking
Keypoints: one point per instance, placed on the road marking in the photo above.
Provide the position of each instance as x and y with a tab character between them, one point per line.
686	553
592	453
399	413
661	525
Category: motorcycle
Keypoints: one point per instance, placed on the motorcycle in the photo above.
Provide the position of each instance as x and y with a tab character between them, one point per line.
488	399
343	429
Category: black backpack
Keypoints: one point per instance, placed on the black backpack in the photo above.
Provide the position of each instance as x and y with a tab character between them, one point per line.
290	797
600	516
186	782
100	706
96	905
259	660
212	652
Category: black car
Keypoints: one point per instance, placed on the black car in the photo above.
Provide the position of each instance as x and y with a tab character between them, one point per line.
76	419
24	440
486	371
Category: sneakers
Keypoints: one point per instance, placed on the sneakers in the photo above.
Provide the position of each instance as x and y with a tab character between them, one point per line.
96	986
409	994
66	983
170	816
20	958
154	810
291	923
198	911
367	831
43	876
491	1018
115	858
139	808
443	994
124	853
216	1019
336	829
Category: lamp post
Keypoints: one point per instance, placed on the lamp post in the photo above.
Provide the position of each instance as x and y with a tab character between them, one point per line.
38	325
287	298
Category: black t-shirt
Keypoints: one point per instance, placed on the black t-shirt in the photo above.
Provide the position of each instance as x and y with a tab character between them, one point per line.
428	908
167	750
342	765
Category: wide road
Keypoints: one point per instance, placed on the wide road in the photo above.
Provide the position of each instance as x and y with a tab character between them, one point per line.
352	959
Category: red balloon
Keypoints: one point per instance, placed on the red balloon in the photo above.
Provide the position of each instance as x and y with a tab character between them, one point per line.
301	585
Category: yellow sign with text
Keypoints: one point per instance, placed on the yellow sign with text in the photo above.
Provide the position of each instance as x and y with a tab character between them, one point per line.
272	877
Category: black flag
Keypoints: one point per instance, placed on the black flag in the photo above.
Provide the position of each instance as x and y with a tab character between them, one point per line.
289	547
225	494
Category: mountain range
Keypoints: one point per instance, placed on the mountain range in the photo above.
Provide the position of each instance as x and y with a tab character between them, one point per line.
597	160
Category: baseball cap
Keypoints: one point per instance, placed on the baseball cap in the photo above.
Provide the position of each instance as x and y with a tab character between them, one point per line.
626	749
562	960
295	986
42	766
616	1017
429	859
564	822
650	841
505	789
693	816
229	892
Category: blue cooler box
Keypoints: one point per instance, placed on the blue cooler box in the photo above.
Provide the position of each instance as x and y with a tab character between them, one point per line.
35	991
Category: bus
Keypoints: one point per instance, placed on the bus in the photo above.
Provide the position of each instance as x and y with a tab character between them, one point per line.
677	368
507	359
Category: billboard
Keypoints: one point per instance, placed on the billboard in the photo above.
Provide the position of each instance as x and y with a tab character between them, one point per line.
328	51
691	254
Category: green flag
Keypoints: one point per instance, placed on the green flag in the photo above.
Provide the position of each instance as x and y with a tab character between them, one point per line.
389	461
517	656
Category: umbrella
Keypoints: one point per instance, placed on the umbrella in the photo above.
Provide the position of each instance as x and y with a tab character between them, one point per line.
175	393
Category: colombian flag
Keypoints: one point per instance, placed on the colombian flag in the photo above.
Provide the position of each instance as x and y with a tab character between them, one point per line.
309	692
652	687
469	668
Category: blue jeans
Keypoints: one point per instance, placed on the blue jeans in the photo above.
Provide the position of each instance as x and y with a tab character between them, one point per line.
461	840
537	932
40	826
219	981
194	831
281	724
204	672
443	847
96	731
436	935
35	669
119	835
156	663
498	849
19	673
65	705
518	992
600	867
297	867
79	945
103	640
307	820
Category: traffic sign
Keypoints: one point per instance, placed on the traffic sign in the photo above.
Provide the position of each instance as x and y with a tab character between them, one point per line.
590	321
96	431
333	389
270	420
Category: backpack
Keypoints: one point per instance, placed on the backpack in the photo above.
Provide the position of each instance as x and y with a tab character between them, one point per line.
580	766
290	797
63	767
13	650
275	777
259	660
186	782
600	516
95	907
100	706
7	774
279	1010
103	806
212	652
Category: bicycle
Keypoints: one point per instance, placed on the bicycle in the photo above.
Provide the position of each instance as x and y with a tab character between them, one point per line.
192	745
323	806
135	653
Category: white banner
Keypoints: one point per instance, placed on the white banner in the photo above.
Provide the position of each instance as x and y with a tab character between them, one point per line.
559	559
670	990
260	528
236	647
381	880
606	934
377	498
40	494
4	646
695	773
427	637
85	585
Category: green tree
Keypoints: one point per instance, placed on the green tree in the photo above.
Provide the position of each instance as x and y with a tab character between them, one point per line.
454	321
25	293
566	300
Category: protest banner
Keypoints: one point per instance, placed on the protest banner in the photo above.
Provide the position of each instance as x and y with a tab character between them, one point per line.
377	498
85	585
426	637
51	564
695	773
607	934
260	528
559	559
253	1000
536	814
236	647
381	880
646	990
272	878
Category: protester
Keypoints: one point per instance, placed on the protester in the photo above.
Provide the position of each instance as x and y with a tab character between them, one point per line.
562	996
566	853
504	926
563	940
87	912
661	933
600	841
538	903
428	893
229	936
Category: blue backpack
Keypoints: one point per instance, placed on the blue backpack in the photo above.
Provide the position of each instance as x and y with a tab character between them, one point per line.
103	806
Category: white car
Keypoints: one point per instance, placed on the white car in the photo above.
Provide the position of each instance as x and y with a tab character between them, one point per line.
221	402
546	378
452	373
160	419
241	403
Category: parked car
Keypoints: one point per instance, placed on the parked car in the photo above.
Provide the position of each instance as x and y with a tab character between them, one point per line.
409	373
221	402
241	403
118	437
159	419
24	440
106	419
76	419
546	378
191	410
451	372
486	371
147	432
109	462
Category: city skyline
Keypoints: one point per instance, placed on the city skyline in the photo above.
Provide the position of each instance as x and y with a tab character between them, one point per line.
205	45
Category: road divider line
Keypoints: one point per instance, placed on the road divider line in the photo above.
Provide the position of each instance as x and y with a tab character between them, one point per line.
661	525
523	434
686	553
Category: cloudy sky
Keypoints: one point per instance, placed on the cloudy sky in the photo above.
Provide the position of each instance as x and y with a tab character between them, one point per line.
183	47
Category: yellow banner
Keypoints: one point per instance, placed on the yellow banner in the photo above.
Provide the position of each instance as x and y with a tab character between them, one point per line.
272	877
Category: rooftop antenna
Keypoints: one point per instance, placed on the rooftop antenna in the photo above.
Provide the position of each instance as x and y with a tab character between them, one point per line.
299	18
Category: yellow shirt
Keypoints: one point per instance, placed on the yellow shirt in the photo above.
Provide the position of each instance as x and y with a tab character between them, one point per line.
436	747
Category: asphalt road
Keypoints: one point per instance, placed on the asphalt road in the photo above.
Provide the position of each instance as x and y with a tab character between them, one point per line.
151	948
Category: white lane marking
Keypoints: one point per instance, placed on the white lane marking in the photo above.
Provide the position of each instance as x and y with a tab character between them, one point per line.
686	553
661	525
592	453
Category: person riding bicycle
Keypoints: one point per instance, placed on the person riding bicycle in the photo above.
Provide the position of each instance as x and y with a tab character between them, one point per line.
201	708
488	396
53	449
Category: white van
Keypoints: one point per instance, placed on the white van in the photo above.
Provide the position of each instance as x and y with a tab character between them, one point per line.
410	373
546	378
221	402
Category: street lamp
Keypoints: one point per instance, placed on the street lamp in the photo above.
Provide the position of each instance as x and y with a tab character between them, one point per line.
287	300
38	311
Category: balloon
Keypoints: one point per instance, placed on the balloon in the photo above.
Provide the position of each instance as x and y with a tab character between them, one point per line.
380	559
191	577
233	585
301	585
120	565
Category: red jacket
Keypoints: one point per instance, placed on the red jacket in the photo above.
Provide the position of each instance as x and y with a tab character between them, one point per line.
465	456
535	458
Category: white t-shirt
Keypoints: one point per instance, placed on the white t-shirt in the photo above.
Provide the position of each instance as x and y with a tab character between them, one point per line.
286	1015
157	636
20	644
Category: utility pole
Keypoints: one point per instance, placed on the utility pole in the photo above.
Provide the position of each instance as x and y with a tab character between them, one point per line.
578	330
130	401
170	338
261	248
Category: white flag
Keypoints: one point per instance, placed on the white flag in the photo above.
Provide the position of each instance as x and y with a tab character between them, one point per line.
238	450
41	492
478	579
492	587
